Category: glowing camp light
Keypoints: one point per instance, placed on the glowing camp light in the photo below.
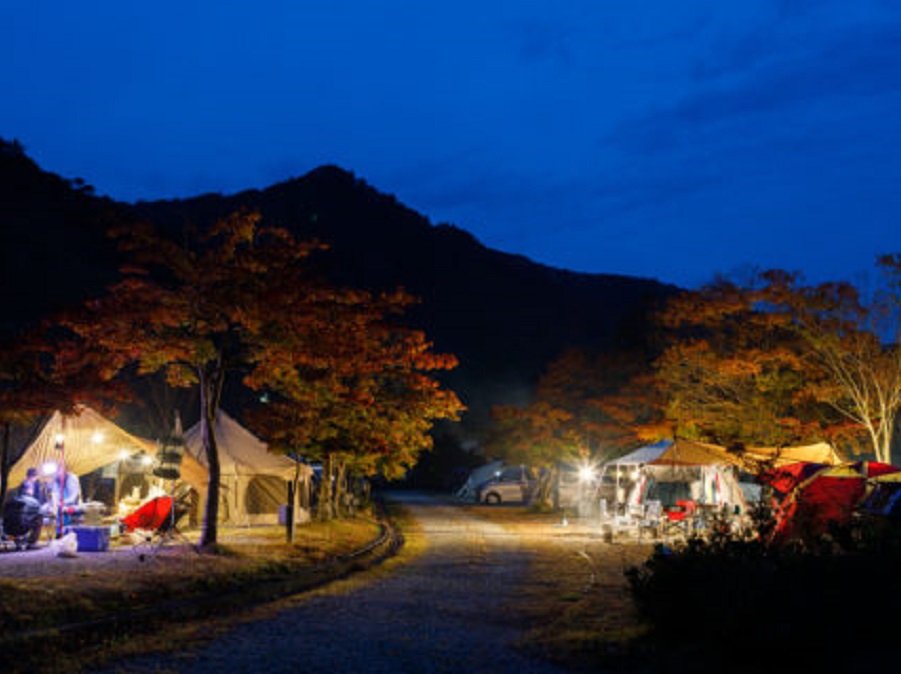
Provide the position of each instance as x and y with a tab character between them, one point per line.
60	440
124	454
147	460
97	437
586	474
49	468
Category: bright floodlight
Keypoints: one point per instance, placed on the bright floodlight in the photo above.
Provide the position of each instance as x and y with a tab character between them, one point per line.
586	473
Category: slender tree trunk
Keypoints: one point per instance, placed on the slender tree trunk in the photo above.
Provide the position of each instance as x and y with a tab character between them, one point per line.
211	380
325	510
340	494
4	466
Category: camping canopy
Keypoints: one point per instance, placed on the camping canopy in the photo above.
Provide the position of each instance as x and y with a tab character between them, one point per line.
751	459
253	480
90	442
641	455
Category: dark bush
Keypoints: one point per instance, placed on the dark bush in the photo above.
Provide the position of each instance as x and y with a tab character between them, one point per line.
748	600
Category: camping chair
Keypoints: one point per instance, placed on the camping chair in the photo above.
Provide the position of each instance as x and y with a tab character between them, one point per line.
651	519
156	522
680	519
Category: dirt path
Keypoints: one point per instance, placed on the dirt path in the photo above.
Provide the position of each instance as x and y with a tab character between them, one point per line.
443	612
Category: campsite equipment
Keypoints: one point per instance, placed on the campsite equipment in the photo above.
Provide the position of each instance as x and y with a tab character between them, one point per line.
22	519
156	521
884	498
90	539
826	500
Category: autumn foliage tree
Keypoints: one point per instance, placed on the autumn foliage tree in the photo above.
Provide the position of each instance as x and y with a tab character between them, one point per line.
359	395
852	342
587	407
537	435
733	374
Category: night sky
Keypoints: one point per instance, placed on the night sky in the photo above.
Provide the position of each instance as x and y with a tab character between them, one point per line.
671	140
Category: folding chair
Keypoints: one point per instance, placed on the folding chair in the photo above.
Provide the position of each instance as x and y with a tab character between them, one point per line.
158	520
680	519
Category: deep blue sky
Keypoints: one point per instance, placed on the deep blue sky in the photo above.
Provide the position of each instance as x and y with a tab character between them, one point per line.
672	140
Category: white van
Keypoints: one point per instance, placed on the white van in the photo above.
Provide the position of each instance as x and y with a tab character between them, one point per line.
511	484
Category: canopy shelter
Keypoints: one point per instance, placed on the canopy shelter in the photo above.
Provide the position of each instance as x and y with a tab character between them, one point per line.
708	481
88	444
619	477
749	459
253	480
85	441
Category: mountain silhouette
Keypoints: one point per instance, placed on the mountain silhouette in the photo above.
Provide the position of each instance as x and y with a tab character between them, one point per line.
504	316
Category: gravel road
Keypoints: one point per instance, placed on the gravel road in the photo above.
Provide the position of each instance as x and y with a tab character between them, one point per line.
442	612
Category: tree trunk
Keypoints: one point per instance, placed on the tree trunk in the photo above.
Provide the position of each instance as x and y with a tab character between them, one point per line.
546	480
4	467
325	510
211	380
289	510
340	492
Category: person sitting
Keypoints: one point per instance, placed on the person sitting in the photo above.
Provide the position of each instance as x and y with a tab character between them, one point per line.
33	486
68	484
26	514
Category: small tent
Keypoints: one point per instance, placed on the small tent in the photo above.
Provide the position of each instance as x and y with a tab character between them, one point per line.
253	480
478	476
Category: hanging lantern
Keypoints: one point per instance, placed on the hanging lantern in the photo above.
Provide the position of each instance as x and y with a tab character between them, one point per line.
170	454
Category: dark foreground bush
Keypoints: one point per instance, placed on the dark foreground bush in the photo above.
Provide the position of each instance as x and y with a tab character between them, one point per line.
742	600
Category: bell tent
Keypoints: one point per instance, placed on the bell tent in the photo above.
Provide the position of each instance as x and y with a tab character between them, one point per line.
253	480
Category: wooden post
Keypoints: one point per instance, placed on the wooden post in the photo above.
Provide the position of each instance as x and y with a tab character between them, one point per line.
289	512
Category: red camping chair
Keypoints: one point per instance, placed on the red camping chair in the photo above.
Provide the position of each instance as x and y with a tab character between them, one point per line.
158	518
679	519
150	516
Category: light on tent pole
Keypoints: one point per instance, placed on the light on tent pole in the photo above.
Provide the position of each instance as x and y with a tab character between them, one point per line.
61	478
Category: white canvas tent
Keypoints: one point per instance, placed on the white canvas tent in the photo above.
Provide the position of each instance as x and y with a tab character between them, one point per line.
253	480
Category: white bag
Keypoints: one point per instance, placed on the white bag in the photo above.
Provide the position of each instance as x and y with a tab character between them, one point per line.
67	546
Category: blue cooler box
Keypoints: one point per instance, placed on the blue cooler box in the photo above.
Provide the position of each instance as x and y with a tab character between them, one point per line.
91	539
